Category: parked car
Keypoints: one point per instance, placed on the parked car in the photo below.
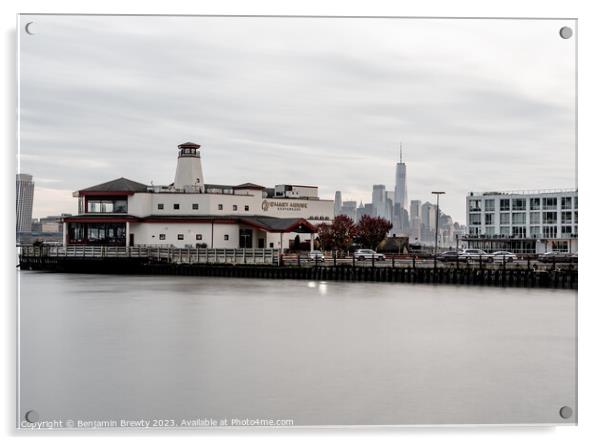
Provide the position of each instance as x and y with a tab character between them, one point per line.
450	255
316	255
475	255
368	254
504	255
558	257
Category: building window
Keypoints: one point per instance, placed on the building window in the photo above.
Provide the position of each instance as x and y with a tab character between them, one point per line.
505	230
504	204
489	230
107	206
162	236
160	206
535	231
235	207
475	218
519	232
566	230
199	236
535	204
246	208
565	202
576	202
566	217
195	206
475	231
180	236
475	205
489	219
560	246
550	217
226	237
504	218
550	231
519	218
220	207
519	204
176	206
490	205
535	218
550	203
575	222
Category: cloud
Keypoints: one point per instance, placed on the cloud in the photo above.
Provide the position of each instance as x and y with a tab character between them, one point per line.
478	104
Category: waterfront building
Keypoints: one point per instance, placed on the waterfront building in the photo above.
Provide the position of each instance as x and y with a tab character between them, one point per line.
192	213
24	188
531	221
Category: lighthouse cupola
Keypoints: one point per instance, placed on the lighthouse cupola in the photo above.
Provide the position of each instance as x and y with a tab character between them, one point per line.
189	172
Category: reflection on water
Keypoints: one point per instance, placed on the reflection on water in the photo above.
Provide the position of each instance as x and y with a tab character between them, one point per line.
98	347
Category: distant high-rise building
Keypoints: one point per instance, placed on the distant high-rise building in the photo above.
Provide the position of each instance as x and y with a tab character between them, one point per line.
415	220
349	208
337	203
367	210
415	209
401	187
379	200
25	187
428	215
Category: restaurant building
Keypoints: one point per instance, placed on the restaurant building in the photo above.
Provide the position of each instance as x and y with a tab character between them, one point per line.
191	213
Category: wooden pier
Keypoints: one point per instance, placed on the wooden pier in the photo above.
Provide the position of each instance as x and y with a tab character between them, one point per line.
267	264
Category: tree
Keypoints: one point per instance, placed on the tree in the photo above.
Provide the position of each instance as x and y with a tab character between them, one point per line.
325	236
343	232
372	230
338	235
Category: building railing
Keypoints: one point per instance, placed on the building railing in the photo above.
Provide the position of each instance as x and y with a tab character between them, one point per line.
165	254
523	192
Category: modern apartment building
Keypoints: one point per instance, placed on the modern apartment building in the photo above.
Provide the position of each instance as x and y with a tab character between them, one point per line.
530	221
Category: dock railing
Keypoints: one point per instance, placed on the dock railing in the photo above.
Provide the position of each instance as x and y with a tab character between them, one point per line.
156	253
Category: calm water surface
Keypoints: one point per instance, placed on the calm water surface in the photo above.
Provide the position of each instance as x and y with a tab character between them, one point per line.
97	347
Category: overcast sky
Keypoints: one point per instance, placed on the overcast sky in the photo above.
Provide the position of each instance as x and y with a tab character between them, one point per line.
478	104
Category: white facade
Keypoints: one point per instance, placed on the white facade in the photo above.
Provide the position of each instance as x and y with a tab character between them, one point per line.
190	213
547	218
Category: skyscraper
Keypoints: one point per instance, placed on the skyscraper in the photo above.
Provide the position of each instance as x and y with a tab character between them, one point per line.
337	203
24	202
401	188
379	201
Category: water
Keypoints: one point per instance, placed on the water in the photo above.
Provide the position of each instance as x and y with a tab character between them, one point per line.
101	347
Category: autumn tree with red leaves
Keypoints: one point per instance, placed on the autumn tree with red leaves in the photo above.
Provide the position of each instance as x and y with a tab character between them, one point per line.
372	230
339	235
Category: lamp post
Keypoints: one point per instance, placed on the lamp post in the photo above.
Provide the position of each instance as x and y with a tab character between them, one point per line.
437	224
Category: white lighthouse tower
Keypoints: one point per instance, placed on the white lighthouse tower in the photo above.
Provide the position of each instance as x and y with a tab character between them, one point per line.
189	173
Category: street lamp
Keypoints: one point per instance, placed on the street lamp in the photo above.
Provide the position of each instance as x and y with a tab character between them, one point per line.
437	224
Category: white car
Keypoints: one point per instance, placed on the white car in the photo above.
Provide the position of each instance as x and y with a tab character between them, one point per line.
316	255
475	255
503	255
368	254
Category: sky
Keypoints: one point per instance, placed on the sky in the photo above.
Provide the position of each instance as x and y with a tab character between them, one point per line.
479	105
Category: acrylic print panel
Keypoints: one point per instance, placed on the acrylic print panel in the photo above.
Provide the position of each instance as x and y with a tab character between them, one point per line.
231	221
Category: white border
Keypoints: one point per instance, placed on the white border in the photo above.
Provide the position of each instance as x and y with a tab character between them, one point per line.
590	78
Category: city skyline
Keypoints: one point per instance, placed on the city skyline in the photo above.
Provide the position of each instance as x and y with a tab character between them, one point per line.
319	107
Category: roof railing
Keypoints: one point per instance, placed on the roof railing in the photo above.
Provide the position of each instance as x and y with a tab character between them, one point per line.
523	192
